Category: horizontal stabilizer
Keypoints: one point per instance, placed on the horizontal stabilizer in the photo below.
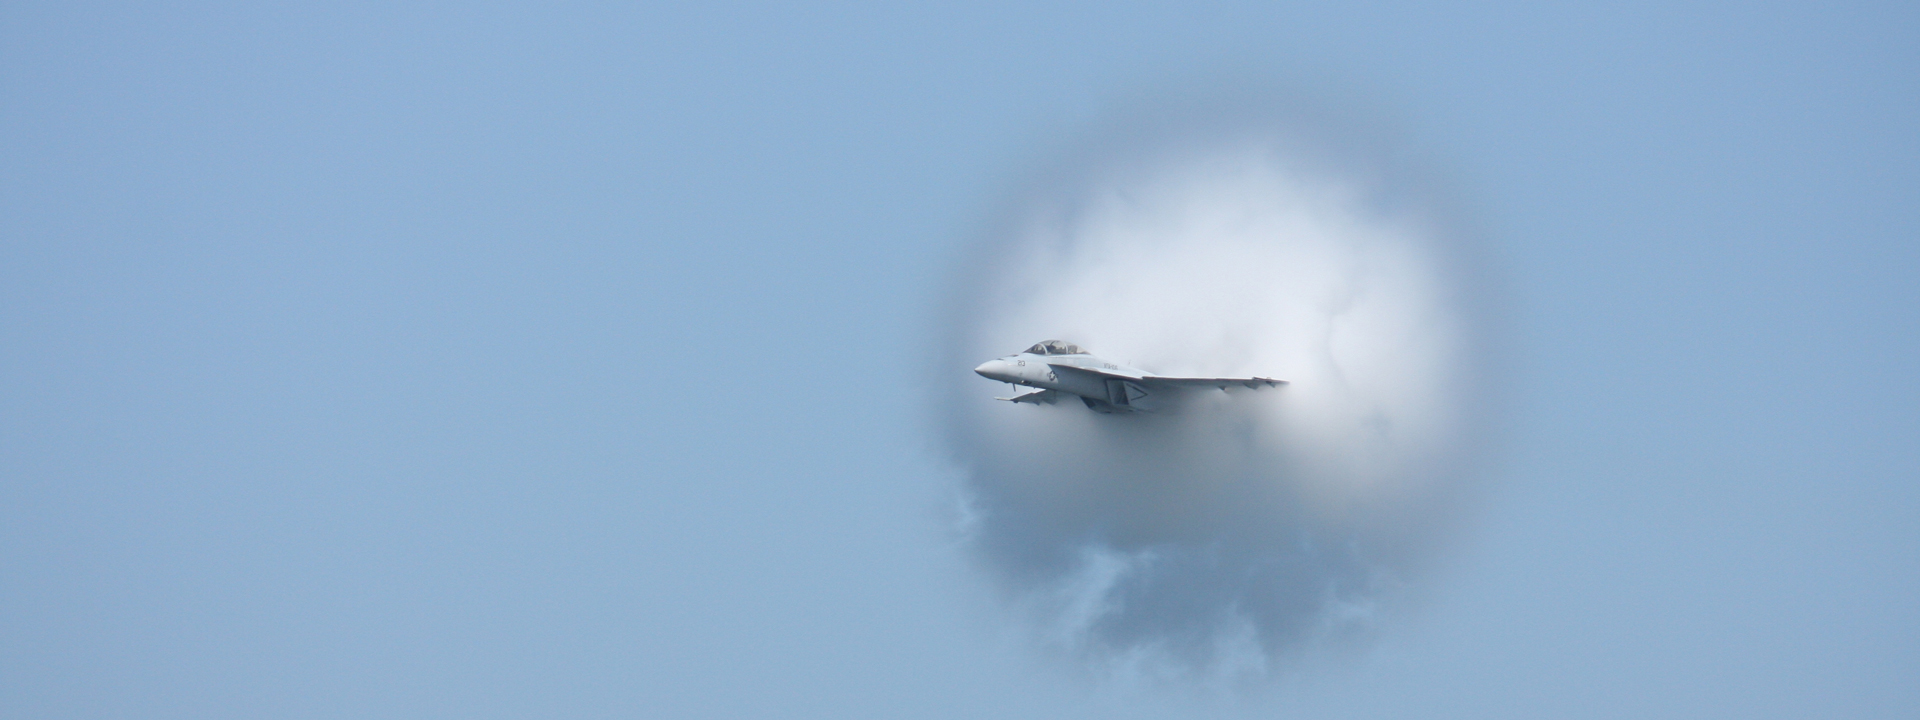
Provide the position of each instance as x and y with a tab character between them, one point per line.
1035	396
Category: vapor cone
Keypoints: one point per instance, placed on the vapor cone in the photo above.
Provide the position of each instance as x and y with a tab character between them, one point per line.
1242	526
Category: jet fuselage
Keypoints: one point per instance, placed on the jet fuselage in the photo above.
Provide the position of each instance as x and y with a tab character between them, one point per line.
1054	368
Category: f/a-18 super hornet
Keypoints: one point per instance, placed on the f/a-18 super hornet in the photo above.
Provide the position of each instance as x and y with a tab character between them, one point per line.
1052	369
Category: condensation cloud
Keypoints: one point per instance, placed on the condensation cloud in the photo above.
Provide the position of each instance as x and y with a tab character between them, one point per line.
1246	527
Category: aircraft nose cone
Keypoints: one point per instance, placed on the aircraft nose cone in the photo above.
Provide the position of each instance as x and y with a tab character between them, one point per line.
1000	370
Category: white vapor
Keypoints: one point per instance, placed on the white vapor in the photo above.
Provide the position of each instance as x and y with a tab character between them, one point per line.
1247	526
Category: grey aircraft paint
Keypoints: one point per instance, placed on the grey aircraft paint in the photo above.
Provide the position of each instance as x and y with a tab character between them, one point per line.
1052	368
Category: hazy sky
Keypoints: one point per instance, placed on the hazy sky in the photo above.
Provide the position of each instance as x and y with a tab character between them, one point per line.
522	361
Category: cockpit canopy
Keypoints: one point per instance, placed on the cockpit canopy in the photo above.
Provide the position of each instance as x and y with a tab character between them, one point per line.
1055	347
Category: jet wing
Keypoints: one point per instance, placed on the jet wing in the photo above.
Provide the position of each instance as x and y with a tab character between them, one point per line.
1222	383
1034	395
1165	381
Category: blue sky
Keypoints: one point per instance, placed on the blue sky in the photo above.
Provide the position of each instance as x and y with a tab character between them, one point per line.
455	361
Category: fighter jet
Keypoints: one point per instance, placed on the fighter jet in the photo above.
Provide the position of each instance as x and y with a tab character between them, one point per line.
1052	369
